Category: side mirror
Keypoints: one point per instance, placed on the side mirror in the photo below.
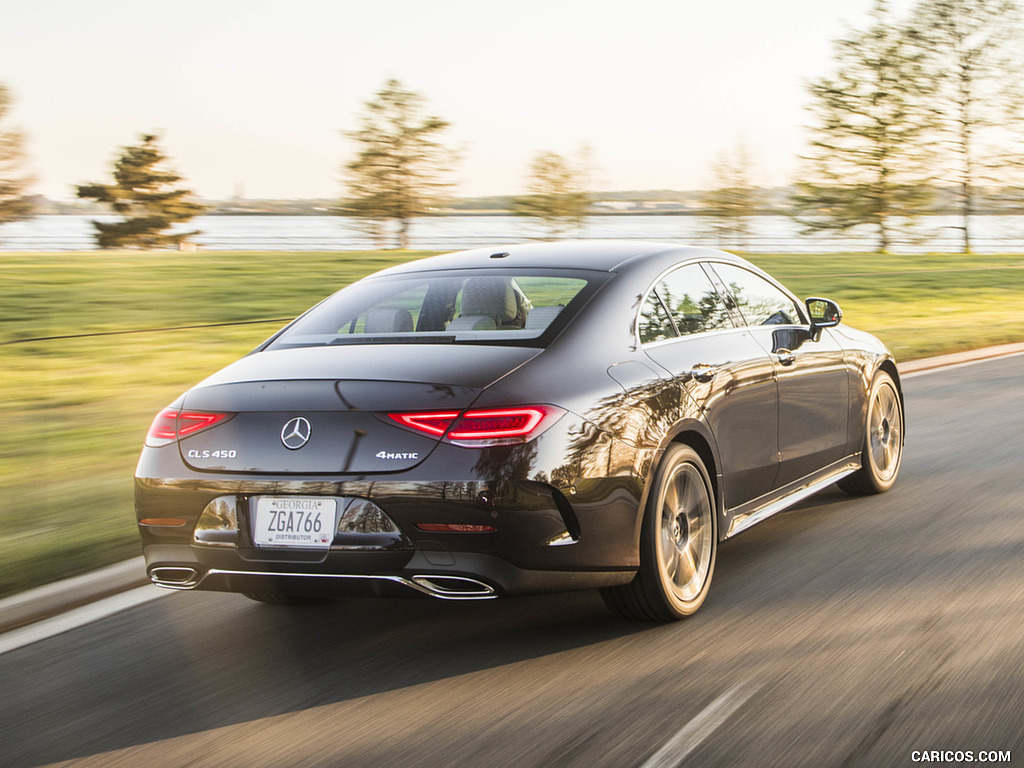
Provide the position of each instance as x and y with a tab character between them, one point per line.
824	313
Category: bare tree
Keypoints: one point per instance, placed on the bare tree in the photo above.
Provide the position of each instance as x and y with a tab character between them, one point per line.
733	199
587	170
870	161
14	180
970	48
555	195
400	168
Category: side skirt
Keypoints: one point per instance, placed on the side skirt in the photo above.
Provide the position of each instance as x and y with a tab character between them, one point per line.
764	507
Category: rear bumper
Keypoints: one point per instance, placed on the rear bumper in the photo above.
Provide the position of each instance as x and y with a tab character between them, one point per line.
462	575
551	525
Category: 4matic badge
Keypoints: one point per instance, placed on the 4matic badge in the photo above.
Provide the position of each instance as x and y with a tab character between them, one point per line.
397	456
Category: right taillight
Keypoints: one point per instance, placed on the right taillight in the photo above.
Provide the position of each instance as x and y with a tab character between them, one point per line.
483	427
172	424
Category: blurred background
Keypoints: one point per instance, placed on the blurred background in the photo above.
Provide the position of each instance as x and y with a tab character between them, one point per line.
178	180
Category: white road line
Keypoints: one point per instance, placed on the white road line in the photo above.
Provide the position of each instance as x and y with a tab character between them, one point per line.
79	617
703	725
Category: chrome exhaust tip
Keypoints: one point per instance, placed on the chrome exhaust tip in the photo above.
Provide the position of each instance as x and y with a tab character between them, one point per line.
174	577
454	587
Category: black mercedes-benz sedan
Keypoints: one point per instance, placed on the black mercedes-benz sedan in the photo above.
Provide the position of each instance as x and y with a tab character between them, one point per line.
533	418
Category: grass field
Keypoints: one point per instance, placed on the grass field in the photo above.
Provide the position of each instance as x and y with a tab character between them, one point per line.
73	411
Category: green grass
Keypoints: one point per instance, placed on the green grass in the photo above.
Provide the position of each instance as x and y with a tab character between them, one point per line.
73	412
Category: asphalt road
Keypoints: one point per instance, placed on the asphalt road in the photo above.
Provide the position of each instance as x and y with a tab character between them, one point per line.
844	632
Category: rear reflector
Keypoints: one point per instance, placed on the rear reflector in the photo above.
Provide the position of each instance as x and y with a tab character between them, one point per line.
455	528
168	522
484	426
172	424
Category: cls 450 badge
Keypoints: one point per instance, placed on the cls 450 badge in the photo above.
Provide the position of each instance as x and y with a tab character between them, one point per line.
198	454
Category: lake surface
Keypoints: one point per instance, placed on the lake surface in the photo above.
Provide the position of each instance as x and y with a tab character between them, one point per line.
990	234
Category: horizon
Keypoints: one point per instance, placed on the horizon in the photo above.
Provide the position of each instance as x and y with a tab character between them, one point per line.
613	195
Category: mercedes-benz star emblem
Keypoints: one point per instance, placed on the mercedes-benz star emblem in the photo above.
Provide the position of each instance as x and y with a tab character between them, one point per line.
295	433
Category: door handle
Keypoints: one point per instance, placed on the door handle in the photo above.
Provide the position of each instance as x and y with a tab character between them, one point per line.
703	372
785	356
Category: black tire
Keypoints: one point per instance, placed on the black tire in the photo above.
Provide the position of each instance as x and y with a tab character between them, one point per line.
678	543
276	598
882	451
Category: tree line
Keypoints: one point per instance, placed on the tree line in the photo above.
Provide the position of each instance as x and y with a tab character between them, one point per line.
931	100
916	106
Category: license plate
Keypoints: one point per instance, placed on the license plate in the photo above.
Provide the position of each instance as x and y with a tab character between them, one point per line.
294	521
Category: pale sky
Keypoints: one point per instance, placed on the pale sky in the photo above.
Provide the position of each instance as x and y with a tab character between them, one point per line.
252	95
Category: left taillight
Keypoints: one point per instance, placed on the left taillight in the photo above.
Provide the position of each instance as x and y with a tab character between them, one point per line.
172	424
482	427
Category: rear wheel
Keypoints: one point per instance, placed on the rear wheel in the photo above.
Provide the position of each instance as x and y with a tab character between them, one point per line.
883	440
678	544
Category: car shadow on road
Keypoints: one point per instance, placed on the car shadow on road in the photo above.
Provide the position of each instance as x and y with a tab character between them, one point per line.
193	662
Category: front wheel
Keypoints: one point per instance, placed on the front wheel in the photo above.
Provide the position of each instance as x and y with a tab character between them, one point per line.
883	440
678	543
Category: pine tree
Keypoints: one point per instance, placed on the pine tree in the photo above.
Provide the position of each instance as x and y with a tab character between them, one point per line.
555	195
14	181
870	160
399	170
143	193
969	47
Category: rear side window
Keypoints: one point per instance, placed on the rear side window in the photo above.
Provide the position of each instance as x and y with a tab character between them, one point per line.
684	302
655	324
693	301
475	306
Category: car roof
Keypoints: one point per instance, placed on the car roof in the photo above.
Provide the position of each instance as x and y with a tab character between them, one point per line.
599	255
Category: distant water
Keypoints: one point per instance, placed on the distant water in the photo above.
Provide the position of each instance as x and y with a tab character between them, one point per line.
990	234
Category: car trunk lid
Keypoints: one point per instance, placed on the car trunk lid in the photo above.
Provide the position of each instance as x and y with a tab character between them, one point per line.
322	410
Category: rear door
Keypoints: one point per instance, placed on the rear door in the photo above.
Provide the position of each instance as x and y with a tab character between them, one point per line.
687	329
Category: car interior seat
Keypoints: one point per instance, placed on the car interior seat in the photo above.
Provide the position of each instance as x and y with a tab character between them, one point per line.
488	303
388	320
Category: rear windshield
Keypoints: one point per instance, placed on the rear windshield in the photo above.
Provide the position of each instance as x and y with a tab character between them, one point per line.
466	306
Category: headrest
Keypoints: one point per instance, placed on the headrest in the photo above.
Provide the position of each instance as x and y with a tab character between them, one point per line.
388	320
491	296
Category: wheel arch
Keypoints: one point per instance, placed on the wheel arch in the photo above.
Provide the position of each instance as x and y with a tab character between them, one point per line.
889	366
708	454
656	592
698	436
